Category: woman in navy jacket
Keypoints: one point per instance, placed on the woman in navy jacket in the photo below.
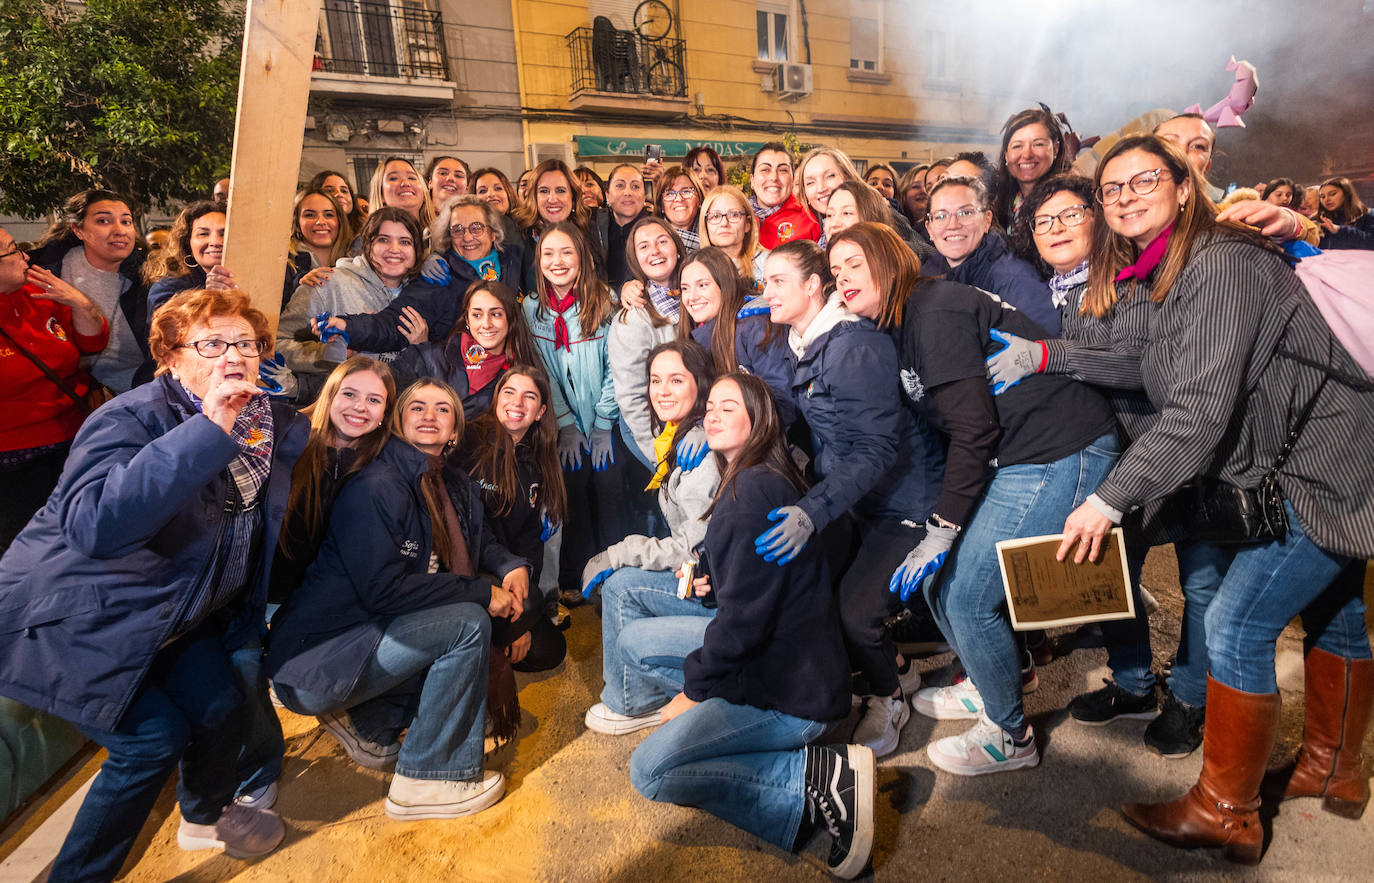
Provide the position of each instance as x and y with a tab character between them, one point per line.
771	672
393	612
874	463
124	598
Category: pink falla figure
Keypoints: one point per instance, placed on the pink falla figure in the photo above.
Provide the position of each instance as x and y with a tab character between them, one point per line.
1227	111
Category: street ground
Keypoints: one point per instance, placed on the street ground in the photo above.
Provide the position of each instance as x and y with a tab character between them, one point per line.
570	814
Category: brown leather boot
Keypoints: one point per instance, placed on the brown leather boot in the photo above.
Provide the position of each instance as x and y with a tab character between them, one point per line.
1339	693
1222	809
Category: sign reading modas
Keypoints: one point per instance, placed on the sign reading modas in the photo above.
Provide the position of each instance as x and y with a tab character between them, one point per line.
589	146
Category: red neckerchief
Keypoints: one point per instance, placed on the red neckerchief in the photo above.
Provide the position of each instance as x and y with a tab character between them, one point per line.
1149	258
482	366
559	305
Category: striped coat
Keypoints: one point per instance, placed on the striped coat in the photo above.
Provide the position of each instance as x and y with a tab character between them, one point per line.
1227	398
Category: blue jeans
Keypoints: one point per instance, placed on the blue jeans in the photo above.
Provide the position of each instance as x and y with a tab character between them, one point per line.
187	710
646	633
1201	567
446	648
1264	587
739	763
1128	640
264	747
966	595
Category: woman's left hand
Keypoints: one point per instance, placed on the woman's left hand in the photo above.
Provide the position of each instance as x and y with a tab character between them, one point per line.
1086	527
1328	225
86	315
220	279
517	582
413	326
519	647
678	705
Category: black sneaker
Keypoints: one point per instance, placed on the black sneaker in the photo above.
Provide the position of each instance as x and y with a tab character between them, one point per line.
914	632
1112	703
839	794
1177	732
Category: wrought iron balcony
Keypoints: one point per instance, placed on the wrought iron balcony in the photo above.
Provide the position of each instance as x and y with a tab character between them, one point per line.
606	59
378	38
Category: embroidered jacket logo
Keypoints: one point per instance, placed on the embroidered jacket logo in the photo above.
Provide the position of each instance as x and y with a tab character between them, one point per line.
410	549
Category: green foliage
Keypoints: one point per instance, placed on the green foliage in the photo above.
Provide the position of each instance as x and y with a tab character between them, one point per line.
132	95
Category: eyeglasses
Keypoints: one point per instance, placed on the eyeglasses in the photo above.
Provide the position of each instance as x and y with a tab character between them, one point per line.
1069	217
720	217
16	251
944	219
678	195
214	347
1140	184
458	231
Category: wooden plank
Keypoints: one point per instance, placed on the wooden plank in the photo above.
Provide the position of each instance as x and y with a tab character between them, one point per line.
274	87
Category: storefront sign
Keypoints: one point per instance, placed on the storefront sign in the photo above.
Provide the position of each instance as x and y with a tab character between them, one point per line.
597	145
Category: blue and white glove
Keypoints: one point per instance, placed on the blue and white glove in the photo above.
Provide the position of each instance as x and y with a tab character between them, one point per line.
547	527
1015	361
603	450
277	380
784	540
571	446
689	456
923	560
596	572
436	270
756	306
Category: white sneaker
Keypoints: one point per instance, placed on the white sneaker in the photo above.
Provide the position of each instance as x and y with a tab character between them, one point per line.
603	720
956	702
242	832
986	748
410	799
364	753
880	724
263	798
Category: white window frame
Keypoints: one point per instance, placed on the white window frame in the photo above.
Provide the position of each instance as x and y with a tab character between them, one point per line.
869	11
773	10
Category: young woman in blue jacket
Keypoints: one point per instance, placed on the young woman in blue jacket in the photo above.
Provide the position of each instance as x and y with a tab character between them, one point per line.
135	593
569	318
878	472
392	627
771	674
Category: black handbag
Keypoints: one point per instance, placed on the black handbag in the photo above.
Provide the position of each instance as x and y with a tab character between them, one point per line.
1212	510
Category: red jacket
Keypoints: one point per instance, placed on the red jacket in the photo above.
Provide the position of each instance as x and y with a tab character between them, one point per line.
789	222
33	411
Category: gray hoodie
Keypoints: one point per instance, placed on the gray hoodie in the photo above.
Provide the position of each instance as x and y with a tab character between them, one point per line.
631	336
682	497
354	287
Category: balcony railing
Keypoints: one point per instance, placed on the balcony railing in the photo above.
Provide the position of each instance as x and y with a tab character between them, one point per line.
382	39
606	59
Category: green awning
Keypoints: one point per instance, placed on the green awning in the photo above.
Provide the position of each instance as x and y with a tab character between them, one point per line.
590	146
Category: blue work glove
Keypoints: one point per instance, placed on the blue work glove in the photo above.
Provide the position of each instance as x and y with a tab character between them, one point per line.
571	446
753	307
596	572
689	456
1015	361
603	452
547	527
277	380
923	560
436	270
784	540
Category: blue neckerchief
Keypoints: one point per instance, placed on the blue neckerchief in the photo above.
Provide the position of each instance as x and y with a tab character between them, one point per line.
488	268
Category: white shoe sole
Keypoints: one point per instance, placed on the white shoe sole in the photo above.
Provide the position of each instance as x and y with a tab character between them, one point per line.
414	813
929	709
862	762
191	843
954	766
599	724
894	735
1134	716
266	801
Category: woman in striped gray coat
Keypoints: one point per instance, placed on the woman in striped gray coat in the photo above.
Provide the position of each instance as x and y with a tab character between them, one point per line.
1236	353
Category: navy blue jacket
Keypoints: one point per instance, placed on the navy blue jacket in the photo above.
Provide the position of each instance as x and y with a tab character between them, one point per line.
1359	234
775	640
994	268
372	567
768	363
869	454
440	305
444	361
167	287
100	578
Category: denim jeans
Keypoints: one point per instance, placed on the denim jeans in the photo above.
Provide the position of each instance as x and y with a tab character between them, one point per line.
1128	640
446	648
1264	587
646	633
966	595
1201	567
264	747
739	763
187	710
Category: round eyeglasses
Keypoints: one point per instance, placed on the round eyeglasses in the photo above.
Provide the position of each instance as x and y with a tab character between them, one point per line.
1069	217
1140	183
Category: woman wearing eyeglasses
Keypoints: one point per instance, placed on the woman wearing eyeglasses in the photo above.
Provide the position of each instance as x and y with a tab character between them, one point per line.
1252	388
959	223
679	201
728	223
127	596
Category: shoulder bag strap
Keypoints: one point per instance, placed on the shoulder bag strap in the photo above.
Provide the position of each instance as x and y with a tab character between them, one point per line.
50	373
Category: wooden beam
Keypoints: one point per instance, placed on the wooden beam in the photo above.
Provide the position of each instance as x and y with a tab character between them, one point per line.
274	88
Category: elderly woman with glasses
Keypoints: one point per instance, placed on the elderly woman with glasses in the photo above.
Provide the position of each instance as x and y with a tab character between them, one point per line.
679	201
130	598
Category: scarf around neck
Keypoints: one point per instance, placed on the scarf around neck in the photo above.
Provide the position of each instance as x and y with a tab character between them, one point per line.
1149	258
560	305
252	433
1061	284
488	268
665	300
762	212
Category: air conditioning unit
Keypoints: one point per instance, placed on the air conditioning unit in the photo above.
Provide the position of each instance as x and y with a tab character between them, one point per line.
794	80
539	151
